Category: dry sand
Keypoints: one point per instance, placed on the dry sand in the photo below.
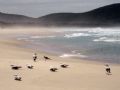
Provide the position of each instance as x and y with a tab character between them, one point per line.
80	75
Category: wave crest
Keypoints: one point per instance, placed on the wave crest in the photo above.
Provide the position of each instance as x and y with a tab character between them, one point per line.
76	35
105	39
73	55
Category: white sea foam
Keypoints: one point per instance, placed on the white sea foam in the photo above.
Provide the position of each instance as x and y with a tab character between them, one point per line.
76	35
106	39
94	32
73	55
104	32
100	39
36	37
112	40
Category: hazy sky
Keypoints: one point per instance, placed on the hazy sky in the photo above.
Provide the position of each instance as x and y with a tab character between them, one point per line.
36	8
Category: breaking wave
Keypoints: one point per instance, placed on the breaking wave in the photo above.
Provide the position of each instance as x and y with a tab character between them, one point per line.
76	35
106	39
104	32
73	55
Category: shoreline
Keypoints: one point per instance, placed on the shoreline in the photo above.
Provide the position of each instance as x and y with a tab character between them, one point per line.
67	56
80	75
22	44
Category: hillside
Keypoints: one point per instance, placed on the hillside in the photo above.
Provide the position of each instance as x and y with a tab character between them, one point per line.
105	16
14	19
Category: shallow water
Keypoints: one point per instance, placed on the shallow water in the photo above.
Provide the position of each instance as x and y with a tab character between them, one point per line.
90	43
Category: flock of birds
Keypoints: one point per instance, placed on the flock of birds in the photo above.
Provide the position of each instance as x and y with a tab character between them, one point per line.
52	69
17	67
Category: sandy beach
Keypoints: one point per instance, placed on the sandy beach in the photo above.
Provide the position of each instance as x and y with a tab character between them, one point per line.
80	75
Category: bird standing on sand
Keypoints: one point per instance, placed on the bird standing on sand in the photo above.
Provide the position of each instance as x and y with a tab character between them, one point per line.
47	58
107	68
17	77
29	66
34	57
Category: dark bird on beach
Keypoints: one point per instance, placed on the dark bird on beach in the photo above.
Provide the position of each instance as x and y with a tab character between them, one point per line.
29	66
53	69
47	58
17	77
64	65
108	70
15	67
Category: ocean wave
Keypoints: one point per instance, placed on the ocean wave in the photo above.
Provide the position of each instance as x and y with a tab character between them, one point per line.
73	55
104	32
37	37
76	35
106	39
95	32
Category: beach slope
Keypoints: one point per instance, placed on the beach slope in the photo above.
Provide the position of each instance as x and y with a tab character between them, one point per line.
80	74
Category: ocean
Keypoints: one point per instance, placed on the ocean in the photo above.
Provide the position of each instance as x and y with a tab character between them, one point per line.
99	44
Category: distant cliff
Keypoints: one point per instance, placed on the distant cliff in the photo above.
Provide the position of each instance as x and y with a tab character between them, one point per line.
101	17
